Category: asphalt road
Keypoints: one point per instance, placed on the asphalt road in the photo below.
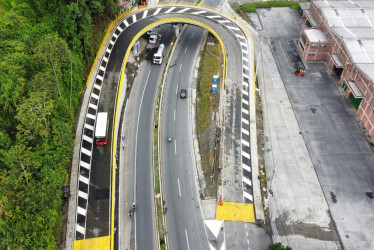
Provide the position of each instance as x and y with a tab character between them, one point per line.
138	157
98	209
184	219
185	225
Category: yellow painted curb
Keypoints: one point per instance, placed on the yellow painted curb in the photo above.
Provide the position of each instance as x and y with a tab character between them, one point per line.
93	243
235	212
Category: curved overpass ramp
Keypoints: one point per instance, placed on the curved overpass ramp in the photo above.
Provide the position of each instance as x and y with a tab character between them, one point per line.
96	166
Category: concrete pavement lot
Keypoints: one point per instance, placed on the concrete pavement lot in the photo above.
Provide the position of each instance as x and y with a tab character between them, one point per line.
337	151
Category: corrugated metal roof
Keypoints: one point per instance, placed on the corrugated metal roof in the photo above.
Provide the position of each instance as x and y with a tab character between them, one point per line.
354	22
368	69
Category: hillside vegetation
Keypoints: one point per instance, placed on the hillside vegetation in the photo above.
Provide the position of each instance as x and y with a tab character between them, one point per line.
46	49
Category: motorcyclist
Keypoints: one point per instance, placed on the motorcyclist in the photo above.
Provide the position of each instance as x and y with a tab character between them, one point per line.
133	206
169	139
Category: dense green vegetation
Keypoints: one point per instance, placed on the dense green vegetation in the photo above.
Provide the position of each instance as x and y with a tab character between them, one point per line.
46	49
251	7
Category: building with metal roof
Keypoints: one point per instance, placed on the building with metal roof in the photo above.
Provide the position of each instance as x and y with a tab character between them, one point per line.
342	34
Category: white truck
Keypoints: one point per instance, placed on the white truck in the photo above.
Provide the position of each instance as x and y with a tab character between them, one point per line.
157	57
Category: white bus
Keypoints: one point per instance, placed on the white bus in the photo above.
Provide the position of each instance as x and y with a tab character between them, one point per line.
101	130
157	57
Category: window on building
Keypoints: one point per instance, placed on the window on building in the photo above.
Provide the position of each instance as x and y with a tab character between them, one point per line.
301	46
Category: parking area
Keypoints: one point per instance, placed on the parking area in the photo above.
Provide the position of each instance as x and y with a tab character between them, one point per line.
320	173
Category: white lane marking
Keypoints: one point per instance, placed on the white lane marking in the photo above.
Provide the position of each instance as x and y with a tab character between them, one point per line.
81	211
174	114
87	138
134	18
136	145
85	151
176	90
185	50
198	12
248	196
85	165
80	229
83	195
119	29
157	11
145	14
247	181
213	16
126	23
84	179
192	35
181	11
175	146
88	115
179	187
180	67
246	155
188	244
169	10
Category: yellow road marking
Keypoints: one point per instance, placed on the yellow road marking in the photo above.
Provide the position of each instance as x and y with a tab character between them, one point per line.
235	212
92	244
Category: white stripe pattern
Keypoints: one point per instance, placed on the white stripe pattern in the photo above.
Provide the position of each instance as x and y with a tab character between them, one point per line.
157	11
245	111
246	155
92	106
88	126
81	211
212	17
145	14
184	10
245	101
198	12
80	229
248	196
88	115
83	195
85	165
99	77
84	179
126	23
97	86
245	143
87	138
169	10
245	121
93	95
232	27
246	167
119	29
86	151
134	18
245	131
247	181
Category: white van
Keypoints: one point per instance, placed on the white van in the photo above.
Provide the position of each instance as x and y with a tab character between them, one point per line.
157	57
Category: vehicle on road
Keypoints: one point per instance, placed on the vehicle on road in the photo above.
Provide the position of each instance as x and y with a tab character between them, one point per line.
101	130
157	57
169	139
153	38
183	93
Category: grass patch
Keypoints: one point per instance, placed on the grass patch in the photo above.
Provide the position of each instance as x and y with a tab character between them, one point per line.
209	66
251	7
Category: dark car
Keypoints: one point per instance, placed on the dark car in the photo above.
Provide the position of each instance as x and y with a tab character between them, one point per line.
183	93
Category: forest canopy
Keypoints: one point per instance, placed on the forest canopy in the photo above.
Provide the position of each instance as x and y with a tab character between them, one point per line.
46	50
